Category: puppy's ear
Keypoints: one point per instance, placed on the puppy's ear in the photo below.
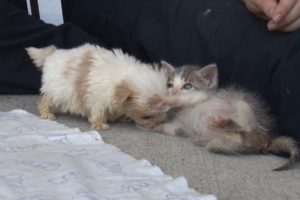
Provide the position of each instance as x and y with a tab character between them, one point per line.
123	93
208	76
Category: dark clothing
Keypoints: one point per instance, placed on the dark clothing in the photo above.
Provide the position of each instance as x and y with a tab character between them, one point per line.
178	31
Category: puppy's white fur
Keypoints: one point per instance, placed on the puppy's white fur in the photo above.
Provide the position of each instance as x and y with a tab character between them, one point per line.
100	84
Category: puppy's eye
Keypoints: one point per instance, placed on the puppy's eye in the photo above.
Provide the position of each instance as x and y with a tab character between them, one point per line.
169	85
187	86
146	117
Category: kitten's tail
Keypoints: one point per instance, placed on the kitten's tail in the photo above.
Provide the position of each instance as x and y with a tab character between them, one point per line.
39	55
285	144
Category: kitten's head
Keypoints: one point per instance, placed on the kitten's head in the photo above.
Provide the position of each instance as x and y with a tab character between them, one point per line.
190	78
144	111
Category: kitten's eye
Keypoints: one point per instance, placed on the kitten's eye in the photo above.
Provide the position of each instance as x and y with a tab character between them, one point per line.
169	85
147	117
187	86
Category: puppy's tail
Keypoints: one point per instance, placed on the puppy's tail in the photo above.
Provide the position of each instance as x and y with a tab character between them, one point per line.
285	144
39	55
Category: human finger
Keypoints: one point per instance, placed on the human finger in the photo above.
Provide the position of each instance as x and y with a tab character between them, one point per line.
282	10
289	20
292	27
258	7
267	6
287	28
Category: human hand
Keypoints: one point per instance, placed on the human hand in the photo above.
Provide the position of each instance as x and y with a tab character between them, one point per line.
261	8
286	16
282	15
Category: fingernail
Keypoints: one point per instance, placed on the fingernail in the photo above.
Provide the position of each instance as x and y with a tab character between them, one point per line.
276	17
271	26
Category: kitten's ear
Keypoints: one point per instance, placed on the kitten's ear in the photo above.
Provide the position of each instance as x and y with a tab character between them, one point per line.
208	76
167	66
123	93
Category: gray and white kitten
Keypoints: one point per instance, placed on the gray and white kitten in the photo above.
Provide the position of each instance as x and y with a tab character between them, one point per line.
189	78
227	120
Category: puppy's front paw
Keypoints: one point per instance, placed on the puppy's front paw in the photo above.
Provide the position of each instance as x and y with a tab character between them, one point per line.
100	126
47	115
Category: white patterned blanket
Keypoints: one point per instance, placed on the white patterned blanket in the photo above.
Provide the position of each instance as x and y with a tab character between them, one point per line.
44	160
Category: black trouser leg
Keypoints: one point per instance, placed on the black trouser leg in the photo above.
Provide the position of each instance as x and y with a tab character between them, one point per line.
19	30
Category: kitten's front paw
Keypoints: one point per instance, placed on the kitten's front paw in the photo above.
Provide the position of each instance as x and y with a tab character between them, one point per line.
169	128
157	128
201	142
100	126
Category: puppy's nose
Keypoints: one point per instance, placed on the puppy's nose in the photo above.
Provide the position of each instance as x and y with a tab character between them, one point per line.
174	91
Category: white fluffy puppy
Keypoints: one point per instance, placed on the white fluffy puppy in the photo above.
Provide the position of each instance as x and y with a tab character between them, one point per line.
100	84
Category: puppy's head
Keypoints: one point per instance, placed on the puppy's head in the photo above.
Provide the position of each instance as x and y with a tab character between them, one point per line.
145	111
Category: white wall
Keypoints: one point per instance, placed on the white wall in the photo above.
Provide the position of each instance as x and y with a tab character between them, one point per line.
50	11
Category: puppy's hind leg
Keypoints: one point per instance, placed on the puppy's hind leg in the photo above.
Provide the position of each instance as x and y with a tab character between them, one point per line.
46	108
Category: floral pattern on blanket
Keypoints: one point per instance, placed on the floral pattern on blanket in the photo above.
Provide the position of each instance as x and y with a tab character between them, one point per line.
44	160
